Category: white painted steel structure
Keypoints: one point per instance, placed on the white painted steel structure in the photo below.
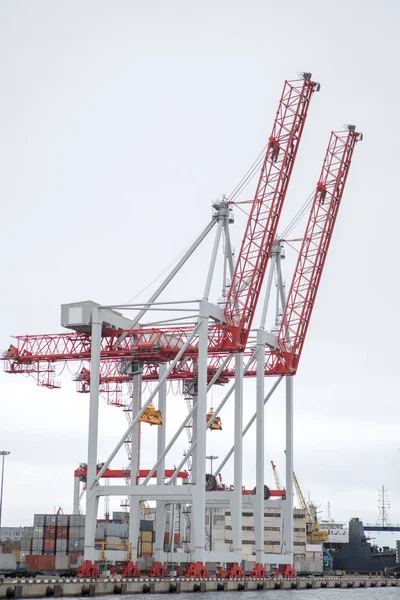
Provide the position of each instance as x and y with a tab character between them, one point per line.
194	493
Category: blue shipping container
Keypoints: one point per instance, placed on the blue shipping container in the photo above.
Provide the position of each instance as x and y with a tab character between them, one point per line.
146	525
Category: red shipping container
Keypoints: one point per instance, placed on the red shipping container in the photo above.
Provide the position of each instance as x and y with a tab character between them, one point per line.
49	532
40	562
49	545
62	532
177	538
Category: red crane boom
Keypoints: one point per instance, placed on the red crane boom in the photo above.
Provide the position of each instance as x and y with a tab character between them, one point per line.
312	255
266	209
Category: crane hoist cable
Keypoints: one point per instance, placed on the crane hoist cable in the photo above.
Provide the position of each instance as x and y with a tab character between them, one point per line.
251	172
297	218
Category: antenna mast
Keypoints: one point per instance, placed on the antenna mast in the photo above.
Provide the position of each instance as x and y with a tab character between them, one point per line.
384	504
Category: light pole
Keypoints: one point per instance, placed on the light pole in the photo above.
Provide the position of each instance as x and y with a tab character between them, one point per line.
3	454
211	458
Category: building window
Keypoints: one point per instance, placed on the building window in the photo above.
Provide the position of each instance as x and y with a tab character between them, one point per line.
218	519
272	543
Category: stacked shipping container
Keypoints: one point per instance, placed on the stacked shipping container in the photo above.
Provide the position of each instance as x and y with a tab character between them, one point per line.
64	536
53	535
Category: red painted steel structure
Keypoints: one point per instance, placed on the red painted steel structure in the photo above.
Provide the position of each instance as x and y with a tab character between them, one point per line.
313	252
36	354
155	345
81	472
266	210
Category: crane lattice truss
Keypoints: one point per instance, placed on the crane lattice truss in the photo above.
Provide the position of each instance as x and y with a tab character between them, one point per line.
209	345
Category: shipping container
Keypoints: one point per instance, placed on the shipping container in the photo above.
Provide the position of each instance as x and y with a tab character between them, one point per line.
38	520
49	532
62	520
177	538
73	545
77	520
147	548
62	562
61	544
26	543
27	532
49	545
40	562
74	533
76	559
50	520
100	532
115	539
146	525
37	545
76	545
38	531
147	536
121	516
82	532
116	529
8	561
62	530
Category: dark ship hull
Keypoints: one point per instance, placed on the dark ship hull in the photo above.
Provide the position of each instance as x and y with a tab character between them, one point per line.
358	555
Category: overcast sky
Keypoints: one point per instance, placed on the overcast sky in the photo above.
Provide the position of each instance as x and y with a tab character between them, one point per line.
120	122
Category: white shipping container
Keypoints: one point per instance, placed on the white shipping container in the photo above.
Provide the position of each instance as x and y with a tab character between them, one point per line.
74	532
7	562
62	562
38	531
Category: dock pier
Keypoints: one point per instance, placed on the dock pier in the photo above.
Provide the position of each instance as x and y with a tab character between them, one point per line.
54	587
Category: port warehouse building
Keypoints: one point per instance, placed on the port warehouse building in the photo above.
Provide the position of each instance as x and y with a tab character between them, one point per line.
11	534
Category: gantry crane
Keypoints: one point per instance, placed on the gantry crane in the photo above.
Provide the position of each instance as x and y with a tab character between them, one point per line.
276	476
37	354
314	534
226	351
